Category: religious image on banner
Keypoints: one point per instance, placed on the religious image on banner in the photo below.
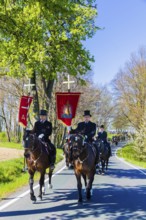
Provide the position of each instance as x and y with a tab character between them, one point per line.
66	106
67	111
25	103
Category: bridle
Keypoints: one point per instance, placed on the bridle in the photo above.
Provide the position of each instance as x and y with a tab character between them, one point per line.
31	139
74	145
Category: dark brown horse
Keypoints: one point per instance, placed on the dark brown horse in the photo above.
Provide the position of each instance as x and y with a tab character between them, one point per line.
104	155
37	159
84	161
67	152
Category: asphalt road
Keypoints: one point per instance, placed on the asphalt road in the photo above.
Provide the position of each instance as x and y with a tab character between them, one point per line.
119	194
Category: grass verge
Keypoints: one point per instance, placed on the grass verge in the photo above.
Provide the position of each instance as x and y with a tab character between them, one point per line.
129	154
12	177
11	145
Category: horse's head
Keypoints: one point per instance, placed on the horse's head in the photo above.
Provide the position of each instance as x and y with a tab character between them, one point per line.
77	144
29	140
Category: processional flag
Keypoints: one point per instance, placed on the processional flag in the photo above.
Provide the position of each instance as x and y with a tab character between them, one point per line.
66	106
25	103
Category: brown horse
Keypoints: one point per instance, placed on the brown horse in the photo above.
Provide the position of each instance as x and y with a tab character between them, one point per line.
104	155
84	161
67	152
37	159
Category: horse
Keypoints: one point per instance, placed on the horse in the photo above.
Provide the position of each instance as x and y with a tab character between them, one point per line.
84	163
67	151
104	155
115	140
37	159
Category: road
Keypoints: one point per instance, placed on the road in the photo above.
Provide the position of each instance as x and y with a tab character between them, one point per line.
120	194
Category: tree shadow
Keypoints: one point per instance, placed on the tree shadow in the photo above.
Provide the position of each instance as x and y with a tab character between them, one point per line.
111	201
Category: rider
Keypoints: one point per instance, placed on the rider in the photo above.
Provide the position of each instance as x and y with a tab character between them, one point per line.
86	128
43	129
102	135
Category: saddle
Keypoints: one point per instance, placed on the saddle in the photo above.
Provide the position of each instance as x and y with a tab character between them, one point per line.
46	146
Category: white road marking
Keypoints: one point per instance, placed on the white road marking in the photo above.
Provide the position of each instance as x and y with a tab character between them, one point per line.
26	192
129	164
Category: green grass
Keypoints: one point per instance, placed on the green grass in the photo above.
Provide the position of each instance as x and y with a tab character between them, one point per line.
12	177
129	154
11	145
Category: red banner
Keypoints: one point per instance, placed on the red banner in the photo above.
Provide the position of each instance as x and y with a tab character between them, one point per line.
66	106
25	103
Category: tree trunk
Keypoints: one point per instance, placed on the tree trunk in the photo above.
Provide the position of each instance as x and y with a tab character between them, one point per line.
35	96
48	88
7	129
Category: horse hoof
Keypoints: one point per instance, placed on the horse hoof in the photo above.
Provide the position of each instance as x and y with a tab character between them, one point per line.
99	172
80	201
33	199
88	197
103	173
39	198
50	186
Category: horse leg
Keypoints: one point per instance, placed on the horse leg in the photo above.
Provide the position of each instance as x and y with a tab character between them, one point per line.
89	184
103	166
50	186
31	181
41	183
85	180
79	186
106	164
67	160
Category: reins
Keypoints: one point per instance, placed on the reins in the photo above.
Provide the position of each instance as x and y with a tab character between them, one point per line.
32	151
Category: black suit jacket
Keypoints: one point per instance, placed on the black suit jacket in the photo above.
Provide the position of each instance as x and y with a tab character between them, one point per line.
43	128
88	129
102	136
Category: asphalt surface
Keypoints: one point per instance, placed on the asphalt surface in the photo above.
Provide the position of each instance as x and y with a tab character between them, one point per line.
120	194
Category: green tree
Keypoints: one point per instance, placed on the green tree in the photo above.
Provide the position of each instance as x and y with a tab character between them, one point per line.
41	38
140	141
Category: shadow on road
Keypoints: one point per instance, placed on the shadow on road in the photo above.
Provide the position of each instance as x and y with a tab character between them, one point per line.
112	201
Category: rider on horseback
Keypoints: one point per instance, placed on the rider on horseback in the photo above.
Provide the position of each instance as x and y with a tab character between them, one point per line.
87	128
43	129
102	135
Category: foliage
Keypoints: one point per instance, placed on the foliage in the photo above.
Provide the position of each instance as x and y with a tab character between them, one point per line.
11	145
3	136
129	153
45	37
140	141
130	90
12	177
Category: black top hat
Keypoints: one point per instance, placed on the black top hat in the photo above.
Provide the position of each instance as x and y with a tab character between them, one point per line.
87	113
43	112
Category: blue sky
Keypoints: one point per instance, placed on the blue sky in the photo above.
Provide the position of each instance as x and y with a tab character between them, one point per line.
124	23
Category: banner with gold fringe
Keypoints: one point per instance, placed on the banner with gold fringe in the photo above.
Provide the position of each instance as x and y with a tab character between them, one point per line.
66	105
25	103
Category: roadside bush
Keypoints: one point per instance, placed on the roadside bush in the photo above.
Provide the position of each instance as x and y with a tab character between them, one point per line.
3	136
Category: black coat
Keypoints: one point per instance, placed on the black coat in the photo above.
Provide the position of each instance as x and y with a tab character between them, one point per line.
43	128
88	129
102	136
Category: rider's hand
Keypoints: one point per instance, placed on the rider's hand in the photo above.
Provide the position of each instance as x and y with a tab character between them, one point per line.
41	136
